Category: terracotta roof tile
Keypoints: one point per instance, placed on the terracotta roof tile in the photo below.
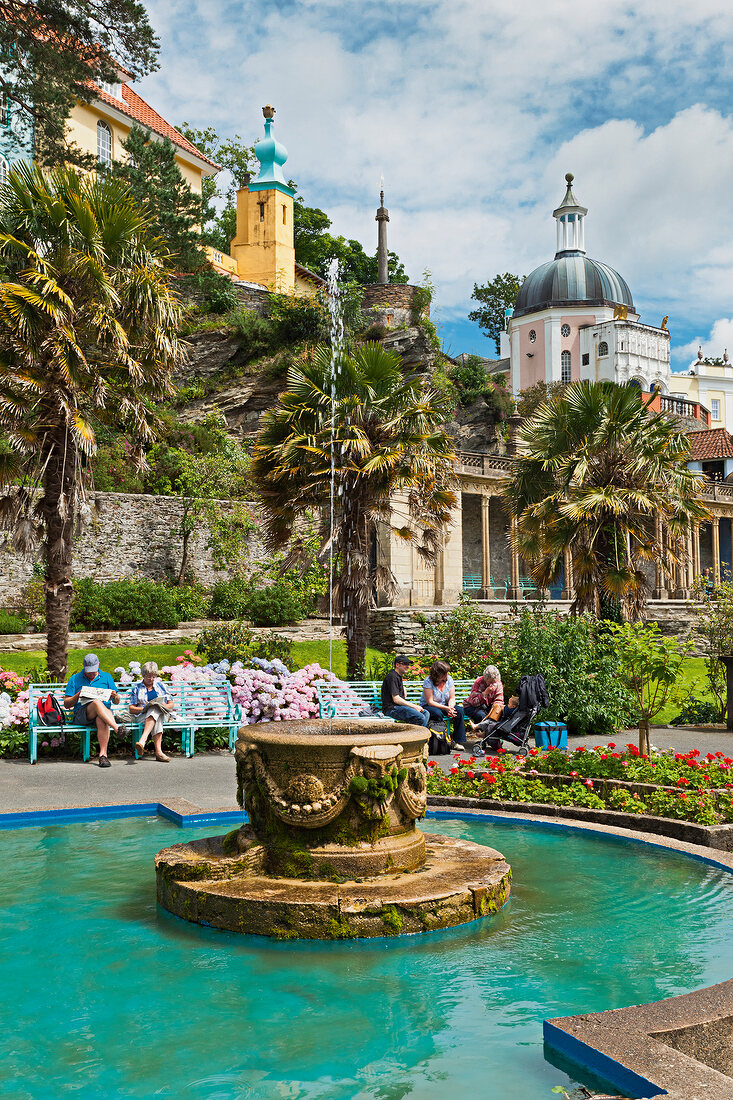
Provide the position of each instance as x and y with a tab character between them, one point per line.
716	443
135	106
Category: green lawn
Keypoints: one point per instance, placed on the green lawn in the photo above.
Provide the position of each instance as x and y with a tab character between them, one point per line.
304	653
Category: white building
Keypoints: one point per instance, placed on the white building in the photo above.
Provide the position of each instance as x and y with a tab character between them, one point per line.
710	384
574	319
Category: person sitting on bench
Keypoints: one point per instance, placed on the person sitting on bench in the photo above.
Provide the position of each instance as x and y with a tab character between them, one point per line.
486	697
439	699
94	712
394	704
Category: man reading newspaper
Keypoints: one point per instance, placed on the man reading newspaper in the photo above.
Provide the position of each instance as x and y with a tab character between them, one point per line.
89	692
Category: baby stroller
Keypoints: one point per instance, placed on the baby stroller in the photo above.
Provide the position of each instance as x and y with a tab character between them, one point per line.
515	728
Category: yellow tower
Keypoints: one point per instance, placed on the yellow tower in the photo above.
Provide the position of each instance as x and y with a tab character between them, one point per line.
263	247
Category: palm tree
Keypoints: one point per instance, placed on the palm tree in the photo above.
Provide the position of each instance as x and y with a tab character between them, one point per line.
393	463
87	336
606	479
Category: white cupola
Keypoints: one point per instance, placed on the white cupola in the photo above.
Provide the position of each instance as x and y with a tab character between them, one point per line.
570	217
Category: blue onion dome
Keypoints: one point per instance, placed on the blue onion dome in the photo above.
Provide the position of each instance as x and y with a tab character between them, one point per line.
572	279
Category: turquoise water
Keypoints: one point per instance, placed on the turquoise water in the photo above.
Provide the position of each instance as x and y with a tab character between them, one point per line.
105	996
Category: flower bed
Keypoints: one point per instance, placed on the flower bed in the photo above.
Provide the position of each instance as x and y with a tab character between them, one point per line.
681	786
266	691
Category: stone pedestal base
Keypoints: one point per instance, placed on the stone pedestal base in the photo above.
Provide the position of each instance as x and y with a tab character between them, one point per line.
459	882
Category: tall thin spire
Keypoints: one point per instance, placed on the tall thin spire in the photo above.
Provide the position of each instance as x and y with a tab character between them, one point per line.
570	217
382	253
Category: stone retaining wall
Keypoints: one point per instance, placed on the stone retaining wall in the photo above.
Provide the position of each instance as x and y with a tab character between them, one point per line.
393	629
130	534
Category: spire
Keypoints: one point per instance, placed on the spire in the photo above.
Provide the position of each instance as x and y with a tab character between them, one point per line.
382	254
570	217
271	155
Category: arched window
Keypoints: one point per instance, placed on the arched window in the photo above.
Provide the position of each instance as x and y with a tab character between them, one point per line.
104	145
565	367
603	348
4	169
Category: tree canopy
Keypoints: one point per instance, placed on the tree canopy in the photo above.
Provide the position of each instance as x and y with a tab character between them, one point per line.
385	430
494	298
170	207
88	336
50	51
606	479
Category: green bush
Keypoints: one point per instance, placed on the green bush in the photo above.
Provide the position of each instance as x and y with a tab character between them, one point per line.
228	599
296	320
580	660
466	638
696	711
236	642
276	605
191	601
12	623
216	293
132	602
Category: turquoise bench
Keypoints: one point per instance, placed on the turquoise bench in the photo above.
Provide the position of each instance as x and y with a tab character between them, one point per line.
344	700
196	706
472	582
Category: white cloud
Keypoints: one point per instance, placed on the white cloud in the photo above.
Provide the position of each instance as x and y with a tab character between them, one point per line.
474	110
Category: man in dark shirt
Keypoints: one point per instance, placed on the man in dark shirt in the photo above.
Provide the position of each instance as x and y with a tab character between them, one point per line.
394	704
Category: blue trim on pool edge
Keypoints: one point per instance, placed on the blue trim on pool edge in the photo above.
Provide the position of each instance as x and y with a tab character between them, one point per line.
33	818
616	1073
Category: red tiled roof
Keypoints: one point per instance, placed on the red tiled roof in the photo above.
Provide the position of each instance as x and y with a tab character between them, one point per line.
135	106
716	443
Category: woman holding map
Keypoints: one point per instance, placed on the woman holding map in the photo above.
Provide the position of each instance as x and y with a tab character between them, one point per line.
89	692
150	702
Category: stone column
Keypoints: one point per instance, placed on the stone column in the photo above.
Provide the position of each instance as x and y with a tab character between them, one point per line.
659	589
568	592
488	591
382	252
690	563
696	566
515	592
449	568
716	548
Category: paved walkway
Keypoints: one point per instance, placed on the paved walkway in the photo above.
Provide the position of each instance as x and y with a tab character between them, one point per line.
208	779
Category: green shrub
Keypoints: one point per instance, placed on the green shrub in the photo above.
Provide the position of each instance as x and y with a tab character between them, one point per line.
276	605
12	623
216	293
236	642
257	335
132	602
580	660
466	638
191	601
696	711
296	320
228	599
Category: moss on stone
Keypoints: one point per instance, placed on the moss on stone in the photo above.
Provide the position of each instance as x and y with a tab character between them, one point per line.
340	929
392	919
229	842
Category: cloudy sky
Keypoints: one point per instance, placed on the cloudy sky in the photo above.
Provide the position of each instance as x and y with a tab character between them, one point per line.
474	110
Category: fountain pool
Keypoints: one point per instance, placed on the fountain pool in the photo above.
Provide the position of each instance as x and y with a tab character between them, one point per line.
104	994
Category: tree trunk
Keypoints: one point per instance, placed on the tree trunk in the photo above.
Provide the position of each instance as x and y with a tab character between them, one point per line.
184	559
644	737
58	508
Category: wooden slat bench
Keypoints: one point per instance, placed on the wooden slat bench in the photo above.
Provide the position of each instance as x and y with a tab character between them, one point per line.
197	706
